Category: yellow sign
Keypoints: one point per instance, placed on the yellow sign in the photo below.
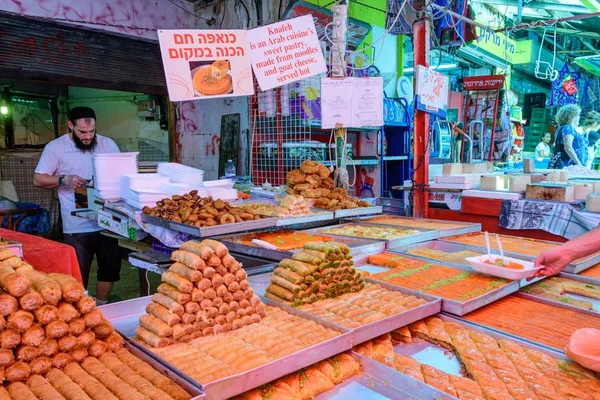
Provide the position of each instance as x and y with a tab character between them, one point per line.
502	47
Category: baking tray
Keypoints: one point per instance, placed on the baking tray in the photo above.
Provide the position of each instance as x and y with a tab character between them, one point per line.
317	216
213	230
464	227
450	306
379	382
357	246
424	235
167	370
15	247
124	317
573	268
591	281
355	212
378	328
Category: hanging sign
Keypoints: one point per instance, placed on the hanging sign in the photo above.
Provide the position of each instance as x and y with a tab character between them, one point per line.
487	82
285	52
431	91
205	64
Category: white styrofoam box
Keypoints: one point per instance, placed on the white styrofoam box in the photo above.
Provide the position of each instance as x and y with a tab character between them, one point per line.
181	189
179	173
109	195
139	205
452	168
592	203
221	183
493	194
518	183
142	181
464	186
463	178
223	193
583	189
435	170
495	182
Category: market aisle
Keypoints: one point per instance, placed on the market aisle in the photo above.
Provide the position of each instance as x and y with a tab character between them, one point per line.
533	321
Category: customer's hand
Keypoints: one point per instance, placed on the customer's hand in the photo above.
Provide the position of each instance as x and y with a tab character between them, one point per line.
74	181
553	261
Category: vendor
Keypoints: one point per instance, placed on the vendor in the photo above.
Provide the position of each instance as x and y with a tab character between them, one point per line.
590	128
543	148
570	146
66	164
557	259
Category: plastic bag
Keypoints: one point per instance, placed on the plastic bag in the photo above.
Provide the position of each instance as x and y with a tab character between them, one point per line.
584	348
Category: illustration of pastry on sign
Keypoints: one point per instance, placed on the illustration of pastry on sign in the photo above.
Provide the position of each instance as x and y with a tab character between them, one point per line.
213	79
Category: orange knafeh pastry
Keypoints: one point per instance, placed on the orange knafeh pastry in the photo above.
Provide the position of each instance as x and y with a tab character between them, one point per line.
285	240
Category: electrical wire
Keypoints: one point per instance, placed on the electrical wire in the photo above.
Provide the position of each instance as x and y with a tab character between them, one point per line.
223	17
186	11
247	13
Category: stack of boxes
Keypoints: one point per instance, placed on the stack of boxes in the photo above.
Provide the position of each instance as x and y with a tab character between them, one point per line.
539	124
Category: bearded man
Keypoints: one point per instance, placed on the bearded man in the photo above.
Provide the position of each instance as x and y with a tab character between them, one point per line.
66	164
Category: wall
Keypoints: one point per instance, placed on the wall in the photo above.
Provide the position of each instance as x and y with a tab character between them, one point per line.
127	14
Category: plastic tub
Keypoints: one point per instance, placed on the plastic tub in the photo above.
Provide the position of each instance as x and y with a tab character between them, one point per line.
223	194
221	183
181	189
180	173
478	264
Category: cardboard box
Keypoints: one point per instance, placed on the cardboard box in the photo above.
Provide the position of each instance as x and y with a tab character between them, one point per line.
453	169
551	192
120	224
493	183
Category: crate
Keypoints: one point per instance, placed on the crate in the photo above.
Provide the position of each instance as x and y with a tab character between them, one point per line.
158	246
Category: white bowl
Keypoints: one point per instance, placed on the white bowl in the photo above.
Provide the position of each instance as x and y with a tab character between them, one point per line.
479	265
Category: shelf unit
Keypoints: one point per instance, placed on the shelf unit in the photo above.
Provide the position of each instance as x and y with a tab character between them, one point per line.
397	155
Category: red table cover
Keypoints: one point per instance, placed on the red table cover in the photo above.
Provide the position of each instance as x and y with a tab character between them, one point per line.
46	255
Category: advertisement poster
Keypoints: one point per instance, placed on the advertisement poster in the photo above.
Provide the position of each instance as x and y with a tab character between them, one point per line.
205	64
351	102
285	52
431	91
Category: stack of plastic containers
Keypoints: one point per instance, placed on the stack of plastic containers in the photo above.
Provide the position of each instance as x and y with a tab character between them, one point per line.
141	190
108	169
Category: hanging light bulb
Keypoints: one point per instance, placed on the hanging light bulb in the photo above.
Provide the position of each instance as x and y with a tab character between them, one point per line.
5	101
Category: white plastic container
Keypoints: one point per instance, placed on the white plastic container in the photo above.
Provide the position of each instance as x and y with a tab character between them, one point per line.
479	264
223	193
181	189
221	183
179	173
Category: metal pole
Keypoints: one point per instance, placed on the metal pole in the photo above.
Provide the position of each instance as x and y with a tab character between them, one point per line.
421	132
338	70
519	11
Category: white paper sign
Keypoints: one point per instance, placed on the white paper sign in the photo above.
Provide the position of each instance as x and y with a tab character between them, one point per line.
431	91
351	102
285	52
203	64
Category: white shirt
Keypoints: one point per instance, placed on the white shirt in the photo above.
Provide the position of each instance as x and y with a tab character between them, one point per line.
542	151
62	157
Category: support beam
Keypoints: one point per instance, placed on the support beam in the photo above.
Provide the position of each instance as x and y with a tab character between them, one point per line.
420	189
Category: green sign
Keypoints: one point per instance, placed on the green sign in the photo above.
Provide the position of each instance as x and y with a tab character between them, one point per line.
452	115
498	45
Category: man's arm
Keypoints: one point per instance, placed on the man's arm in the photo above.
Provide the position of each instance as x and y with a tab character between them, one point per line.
45	181
557	259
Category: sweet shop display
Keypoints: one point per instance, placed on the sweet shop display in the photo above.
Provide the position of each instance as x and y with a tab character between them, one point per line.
540	323
371	304
372	232
278	334
308	382
55	343
191	209
319	271
409	222
283	240
205	292
491	368
312	181
559	289
458	257
290	206
437	280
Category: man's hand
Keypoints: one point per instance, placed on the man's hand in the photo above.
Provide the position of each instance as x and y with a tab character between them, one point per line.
74	181
553	261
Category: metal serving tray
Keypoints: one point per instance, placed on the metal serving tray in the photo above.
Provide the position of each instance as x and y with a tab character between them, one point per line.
370	331
124	317
450	306
464	227
379	382
430	354
355	212
357	246
167	370
317	216
574	268
15	247
590	281
424	235
213	230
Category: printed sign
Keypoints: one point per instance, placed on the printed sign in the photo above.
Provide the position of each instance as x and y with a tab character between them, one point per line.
285	52
431	94
487	82
502	47
205	64
351	102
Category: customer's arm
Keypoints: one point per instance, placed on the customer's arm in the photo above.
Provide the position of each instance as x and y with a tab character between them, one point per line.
557	259
568	141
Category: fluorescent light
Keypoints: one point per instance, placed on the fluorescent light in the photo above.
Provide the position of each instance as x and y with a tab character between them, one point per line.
441	67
